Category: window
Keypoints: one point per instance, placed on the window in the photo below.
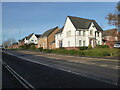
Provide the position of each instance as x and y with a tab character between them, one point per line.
80	33
98	42
83	33
93	26
98	34
116	38
80	43
91	32
68	33
84	43
60	35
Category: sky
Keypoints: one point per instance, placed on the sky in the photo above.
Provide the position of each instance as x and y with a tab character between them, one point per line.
20	19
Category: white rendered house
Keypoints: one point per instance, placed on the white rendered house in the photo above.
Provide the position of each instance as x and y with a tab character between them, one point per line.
31	39
78	32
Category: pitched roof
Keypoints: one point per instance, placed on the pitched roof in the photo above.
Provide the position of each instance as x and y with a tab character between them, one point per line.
110	32
48	32
22	39
82	23
15	43
29	36
52	42
60	31
37	35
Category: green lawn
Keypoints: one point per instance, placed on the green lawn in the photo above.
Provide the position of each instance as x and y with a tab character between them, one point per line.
96	52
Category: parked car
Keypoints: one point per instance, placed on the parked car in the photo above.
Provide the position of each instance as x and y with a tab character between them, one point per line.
117	45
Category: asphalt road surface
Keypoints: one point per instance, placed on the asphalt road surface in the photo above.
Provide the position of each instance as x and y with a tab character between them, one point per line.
9	81
106	70
41	76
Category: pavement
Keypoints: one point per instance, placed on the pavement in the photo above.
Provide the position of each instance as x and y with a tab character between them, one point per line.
42	76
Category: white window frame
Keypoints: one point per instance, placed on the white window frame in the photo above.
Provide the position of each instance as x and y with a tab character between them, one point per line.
68	33
80	42
68	43
91	31
84	42
84	33
80	33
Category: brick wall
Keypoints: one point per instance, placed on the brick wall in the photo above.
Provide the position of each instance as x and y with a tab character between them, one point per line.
42	42
72	48
51	38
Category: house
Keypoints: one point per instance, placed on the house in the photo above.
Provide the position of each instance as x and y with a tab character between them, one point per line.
14	45
21	42
110	37
78	32
46	40
30	39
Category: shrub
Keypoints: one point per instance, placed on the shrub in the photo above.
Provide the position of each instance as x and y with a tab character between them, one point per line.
101	52
23	47
47	50
102	46
72	52
62	48
89	46
61	51
28	46
32	47
40	48
83	48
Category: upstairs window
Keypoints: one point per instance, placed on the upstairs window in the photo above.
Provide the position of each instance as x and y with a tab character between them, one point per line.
98	34
68	33
83	33
60	35
80	32
91	32
93	26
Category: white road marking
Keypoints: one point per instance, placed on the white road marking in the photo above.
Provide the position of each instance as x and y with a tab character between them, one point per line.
93	63
18	77
53	57
103	65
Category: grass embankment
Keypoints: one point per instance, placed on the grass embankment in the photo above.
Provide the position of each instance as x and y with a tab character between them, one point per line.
100	51
97	52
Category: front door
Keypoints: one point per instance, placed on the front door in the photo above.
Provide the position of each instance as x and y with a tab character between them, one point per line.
92	42
60	43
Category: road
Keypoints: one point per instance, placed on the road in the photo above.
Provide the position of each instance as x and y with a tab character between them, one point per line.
9	81
50	76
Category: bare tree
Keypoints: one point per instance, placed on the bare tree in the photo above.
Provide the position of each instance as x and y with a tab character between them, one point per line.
114	18
8	42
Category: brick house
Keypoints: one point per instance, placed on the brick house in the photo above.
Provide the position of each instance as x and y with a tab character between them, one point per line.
22	42
14	45
110	37
46	40
78	32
